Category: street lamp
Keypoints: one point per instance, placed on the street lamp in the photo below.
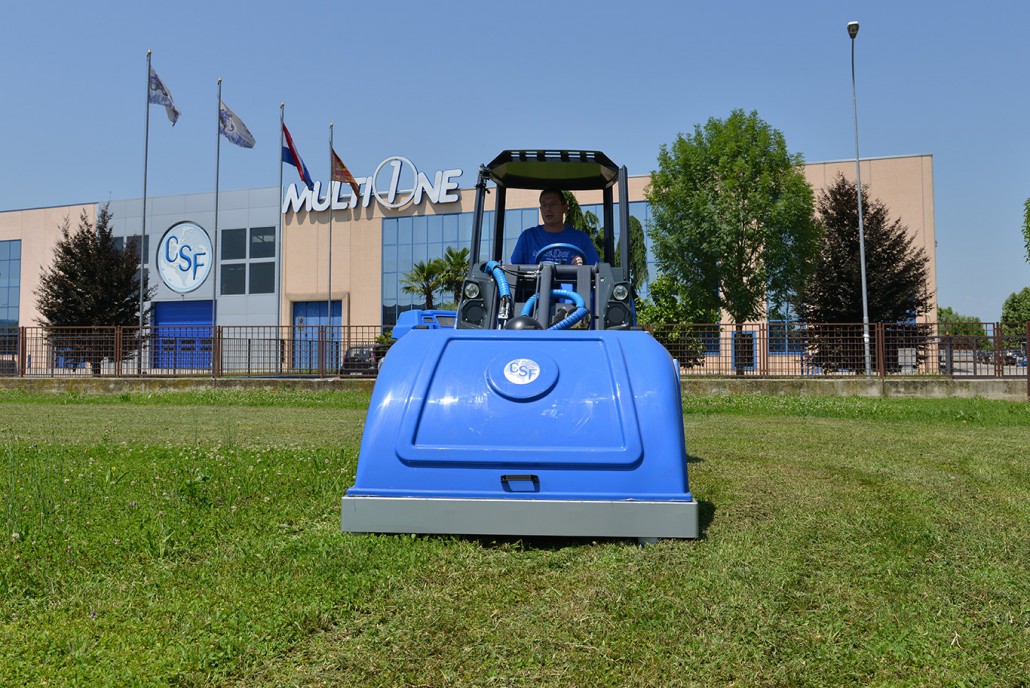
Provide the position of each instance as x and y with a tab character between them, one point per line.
853	31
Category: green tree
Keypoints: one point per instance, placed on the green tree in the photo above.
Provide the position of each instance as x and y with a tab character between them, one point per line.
92	284
952	323
591	224
732	216
677	322
455	269
961	332
666	303
896	279
425	279
1015	313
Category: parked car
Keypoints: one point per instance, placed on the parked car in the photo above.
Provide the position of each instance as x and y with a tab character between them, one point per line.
363	360
1009	357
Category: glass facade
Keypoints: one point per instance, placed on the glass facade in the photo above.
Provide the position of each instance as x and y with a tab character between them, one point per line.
10	282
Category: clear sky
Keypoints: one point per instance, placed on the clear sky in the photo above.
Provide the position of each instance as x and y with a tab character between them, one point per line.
450	84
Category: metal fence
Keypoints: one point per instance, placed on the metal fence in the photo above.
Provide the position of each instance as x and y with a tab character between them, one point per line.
768	349
793	349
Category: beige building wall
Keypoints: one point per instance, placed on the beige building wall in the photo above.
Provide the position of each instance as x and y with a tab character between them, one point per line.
39	230
905	185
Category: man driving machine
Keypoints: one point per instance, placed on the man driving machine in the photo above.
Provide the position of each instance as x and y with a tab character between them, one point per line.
554	240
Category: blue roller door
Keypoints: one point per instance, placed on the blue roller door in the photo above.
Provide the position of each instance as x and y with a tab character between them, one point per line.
181	337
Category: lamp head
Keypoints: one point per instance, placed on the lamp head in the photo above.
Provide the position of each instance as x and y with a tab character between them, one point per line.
852	29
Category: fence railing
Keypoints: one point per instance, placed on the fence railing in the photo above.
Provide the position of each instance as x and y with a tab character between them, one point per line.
793	349
767	349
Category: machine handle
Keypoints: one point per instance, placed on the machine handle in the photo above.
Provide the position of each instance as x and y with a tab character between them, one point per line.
507	480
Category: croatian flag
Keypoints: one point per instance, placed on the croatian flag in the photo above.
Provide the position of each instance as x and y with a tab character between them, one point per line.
232	127
292	157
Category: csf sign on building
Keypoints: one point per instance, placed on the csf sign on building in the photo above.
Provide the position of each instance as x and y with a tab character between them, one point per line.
395	184
184	257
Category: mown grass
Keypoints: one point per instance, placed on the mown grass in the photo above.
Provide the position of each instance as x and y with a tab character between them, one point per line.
192	539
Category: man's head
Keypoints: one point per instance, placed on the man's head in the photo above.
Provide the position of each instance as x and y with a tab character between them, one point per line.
552	209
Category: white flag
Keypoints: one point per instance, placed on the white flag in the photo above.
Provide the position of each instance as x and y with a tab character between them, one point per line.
159	95
233	128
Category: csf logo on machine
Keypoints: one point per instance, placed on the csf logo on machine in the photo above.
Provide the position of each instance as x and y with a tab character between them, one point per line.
521	371
184	257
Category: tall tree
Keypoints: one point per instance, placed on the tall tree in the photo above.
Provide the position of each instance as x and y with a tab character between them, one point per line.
92	284
732	216
896	279
455	269
425	279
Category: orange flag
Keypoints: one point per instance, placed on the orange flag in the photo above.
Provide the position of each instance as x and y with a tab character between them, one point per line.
340	173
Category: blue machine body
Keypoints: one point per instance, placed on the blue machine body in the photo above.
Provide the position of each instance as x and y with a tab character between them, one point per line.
545	410
568	415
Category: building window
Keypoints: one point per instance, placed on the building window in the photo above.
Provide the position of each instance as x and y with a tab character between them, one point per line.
234	244
262	278
234	279
132	240
786	337
262	242
10	286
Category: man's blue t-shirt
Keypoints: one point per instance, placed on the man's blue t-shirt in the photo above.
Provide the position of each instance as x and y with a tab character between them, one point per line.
535	238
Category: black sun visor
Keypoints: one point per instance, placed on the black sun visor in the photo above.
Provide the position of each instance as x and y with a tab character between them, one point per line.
553	169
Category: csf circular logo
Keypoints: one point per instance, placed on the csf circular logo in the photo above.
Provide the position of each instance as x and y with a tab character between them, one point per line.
184	257
521	371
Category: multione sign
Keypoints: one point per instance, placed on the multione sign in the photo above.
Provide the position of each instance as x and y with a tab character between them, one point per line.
184	257
394	184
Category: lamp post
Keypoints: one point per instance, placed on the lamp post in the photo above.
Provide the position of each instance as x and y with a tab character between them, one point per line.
853	31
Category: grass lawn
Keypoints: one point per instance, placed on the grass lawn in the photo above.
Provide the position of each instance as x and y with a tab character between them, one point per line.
192	539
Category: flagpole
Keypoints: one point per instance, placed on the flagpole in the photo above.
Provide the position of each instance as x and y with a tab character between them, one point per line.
143	229
214	259
279	238
329	299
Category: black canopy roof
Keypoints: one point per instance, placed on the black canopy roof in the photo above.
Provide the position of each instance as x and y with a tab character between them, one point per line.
565	170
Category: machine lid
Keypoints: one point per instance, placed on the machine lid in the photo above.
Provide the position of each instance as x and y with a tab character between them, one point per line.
521	401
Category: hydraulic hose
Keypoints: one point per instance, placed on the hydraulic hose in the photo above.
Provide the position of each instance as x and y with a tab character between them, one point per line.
577	315
494	268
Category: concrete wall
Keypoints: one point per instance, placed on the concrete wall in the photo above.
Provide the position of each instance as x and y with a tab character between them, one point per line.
1008	390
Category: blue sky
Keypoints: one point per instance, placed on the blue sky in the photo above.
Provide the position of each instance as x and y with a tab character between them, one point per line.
450	84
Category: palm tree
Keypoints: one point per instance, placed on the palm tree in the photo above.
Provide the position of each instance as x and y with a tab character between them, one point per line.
456	267
425	279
